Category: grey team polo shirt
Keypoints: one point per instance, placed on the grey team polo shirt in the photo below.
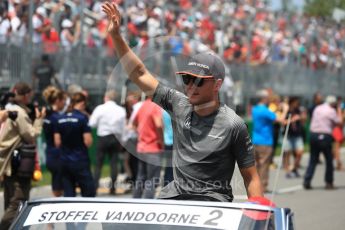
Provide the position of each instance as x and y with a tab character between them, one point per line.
205	149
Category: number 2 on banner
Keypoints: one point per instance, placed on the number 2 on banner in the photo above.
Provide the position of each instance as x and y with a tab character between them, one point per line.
211	221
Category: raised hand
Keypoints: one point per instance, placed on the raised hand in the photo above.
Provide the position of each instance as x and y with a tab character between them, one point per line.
40	114
114	18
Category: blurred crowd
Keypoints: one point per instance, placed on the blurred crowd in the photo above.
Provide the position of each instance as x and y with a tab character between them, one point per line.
321	125
239	30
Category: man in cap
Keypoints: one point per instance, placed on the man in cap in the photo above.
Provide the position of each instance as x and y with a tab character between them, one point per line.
324	118
209	138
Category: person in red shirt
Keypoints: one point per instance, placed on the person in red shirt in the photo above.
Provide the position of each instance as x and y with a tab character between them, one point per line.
185	4
50	39
149	148
207	29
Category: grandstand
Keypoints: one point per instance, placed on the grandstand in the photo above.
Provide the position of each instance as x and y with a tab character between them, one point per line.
289	52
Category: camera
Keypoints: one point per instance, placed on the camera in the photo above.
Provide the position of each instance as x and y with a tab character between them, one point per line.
49	109
4	99
12	115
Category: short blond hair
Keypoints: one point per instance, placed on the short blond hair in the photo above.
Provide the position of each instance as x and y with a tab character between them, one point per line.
52	93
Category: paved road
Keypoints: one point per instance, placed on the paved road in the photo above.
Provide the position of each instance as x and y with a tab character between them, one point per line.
315	209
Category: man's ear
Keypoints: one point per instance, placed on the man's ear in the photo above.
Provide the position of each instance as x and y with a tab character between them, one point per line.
218	84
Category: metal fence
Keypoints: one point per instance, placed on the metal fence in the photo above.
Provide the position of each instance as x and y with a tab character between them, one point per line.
87	67
91	68
288	79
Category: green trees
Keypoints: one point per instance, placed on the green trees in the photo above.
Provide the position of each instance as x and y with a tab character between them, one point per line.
322	8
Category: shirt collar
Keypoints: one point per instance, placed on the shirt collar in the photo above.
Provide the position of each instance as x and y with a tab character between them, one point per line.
110	102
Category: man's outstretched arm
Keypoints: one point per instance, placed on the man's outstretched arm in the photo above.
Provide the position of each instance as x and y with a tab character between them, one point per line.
133	66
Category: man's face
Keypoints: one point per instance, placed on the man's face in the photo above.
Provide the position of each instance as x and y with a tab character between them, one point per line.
82	105
295	104
199	91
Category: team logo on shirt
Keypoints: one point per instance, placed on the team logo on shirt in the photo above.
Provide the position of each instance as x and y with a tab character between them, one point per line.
215	136
187	122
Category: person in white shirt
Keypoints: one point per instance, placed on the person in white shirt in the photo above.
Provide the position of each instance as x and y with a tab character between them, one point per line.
67	38
38	26
110	120
5	27
19	31
5	30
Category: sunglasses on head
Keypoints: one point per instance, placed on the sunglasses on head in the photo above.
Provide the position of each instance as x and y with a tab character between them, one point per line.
197	81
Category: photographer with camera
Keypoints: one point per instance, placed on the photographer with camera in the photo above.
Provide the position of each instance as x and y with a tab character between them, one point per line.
5	99
18	152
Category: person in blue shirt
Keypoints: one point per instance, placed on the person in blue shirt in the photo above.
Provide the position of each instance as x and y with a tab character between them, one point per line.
56	100
263	120
73	136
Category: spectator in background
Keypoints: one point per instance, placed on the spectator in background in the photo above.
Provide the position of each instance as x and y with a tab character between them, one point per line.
39	27
338	60
263	120
67	40
291	33
295	143
148	122
276	107
132	106
50	39
43	76
277	48
338	137
19	35
87	110
15	9
66	13
77	29
109	119
325	117
5	28
20	28
71	90
73	136
317	100
55	98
